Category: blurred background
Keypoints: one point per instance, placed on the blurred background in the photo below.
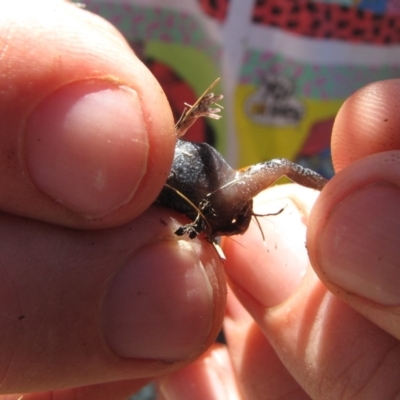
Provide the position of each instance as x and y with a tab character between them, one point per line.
286	66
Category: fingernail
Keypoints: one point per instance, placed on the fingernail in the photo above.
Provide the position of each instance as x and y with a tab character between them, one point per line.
86	146
358	250
273	269
159	305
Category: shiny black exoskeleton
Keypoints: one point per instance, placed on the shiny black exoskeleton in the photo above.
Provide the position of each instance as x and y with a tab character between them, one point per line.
196	188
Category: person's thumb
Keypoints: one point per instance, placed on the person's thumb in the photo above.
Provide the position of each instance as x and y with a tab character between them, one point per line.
86	133
353	240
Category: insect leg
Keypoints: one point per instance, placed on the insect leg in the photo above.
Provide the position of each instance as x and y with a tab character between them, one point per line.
199	109
261	176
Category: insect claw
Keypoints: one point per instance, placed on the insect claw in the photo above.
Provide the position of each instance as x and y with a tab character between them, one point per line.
211	113
188	229
192	234
180	231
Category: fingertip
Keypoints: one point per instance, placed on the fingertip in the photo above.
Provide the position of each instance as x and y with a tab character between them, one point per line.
352	239
159	284
99	137
167	301
270	270
368	122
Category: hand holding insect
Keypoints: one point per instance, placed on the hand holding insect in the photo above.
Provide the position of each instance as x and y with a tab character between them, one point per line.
58	266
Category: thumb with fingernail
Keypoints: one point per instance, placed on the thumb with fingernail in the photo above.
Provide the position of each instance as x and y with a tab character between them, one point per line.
354	227
353	243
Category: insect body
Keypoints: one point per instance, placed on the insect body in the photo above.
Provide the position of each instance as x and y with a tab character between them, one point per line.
217	198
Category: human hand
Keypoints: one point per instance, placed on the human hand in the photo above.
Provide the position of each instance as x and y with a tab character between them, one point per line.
95	292
333	333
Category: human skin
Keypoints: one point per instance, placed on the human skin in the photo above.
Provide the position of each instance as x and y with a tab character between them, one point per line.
97	294
86	264
330	331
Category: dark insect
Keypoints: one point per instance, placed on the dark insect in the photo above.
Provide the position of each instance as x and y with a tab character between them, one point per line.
215	197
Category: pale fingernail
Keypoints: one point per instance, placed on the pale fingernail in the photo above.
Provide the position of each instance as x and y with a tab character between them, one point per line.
86	146
358	250
273	269
160	305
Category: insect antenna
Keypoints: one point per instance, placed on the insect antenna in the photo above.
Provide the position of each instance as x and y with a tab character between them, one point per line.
224	186
232	182
190	203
